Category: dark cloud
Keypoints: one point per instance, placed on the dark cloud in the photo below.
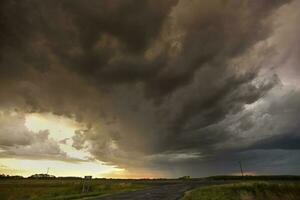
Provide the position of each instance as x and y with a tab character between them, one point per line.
283	112
270	162
154	82
284	141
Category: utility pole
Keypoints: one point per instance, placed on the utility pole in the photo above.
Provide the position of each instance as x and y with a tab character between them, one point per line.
241	168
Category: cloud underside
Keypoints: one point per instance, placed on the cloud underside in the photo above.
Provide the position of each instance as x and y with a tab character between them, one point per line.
156	83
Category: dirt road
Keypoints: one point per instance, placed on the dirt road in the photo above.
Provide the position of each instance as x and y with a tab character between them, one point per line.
163	192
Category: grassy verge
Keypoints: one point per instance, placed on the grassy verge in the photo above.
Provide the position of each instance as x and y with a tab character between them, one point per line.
60	190
247	191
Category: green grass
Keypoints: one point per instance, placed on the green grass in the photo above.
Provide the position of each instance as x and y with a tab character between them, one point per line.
256	178
247	191
26	189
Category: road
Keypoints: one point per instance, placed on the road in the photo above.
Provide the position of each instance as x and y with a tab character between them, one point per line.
162	192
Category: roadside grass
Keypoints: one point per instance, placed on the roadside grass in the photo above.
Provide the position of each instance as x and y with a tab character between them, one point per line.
59	189
247	191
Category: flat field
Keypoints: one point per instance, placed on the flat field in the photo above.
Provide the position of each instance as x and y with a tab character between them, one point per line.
247	191
215	188
56	189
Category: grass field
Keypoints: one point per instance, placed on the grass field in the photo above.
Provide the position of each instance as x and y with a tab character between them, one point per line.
65	188
247	191
33	189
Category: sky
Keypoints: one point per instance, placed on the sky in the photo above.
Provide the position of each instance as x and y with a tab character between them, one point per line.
145	89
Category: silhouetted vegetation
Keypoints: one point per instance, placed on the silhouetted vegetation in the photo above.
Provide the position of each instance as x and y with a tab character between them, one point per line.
3	176
42	176
256	178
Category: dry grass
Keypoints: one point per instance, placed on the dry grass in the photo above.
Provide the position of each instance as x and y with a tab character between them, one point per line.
26	189
247	191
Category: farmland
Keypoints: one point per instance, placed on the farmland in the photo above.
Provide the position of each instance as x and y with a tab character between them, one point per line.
60	189
211	188
247	191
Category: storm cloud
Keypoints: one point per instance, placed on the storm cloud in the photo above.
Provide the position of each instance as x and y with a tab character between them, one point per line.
154	83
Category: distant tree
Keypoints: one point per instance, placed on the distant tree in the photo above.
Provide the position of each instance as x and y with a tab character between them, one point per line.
3	176
42	176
